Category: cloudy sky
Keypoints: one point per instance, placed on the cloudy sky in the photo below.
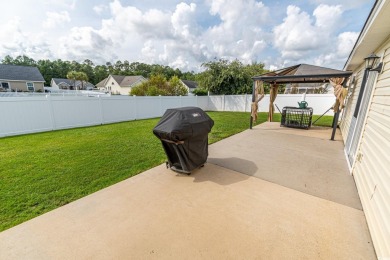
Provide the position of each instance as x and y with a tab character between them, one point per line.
183	34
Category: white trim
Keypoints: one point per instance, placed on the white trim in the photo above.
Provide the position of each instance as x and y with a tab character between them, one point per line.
366	117
349	166
367	27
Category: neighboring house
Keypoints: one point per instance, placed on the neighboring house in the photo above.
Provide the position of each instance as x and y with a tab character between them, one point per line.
20	78
101	85
365	124
57	84
325	88
119	85
190	85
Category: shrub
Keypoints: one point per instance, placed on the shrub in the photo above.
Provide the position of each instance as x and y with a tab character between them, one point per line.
200	92
158	85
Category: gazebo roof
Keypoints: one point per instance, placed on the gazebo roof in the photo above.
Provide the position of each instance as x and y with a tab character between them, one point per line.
302	73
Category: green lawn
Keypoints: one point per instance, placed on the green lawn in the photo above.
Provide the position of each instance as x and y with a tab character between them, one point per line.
324	121
40	172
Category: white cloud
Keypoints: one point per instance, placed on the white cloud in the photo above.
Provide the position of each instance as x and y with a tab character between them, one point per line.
67	4
129	19
346	41
183	21
99	9
237	36
181	34
297	35
54	19
86	43
128	28
302	38
346	4
339	54
149	52
327	17
181	62
18	43
175	38
241	21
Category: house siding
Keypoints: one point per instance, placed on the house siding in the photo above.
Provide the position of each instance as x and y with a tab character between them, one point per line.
53	85
22	86
113	87
371	169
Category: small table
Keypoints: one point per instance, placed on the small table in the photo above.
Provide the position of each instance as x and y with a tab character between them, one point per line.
296	117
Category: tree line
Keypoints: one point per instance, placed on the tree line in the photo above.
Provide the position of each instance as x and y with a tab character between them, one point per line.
96	73
219	76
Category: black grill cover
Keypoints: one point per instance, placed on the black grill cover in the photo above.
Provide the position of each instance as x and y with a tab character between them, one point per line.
184	136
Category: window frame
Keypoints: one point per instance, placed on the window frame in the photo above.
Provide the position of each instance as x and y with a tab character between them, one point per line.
33	87
9	85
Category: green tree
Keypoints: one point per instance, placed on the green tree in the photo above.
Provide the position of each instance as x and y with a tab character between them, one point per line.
96	73
72	75
158	85
100	72
229	78
110	68
189	75
77	76
60	68
7	60
126	68
46	69
25	61
82	77
75	65
200	92
118	68
22	60
176	87
87	68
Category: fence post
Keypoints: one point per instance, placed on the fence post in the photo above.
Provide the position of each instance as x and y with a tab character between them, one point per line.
223	102
161	109
135	107
101	109
245	102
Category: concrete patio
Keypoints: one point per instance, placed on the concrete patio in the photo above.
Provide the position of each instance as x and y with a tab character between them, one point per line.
266	193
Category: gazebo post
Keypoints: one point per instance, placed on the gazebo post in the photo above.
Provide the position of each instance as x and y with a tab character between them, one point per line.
253	100
303	73
334	124
336	115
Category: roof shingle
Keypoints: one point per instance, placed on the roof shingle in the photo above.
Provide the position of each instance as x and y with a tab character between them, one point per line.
190	83
22	73
70	82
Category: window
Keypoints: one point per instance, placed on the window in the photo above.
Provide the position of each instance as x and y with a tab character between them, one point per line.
4	85
30	86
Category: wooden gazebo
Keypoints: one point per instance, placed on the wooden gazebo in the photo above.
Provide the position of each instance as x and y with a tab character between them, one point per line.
302	73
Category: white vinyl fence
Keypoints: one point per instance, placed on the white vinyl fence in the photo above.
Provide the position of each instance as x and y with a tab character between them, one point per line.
22	115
